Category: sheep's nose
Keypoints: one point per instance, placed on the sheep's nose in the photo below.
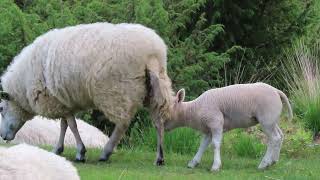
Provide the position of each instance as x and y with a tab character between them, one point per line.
4	137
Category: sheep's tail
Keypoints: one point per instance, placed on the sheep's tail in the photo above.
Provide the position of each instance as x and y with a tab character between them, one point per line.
286	101
159	89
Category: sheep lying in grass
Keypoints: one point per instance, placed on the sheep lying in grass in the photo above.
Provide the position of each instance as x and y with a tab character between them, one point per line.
32	163
42	131
235	106
99	66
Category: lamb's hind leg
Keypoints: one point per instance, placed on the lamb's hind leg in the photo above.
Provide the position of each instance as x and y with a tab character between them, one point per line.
114	140
60	145
81	150
206	139
276	154
273	146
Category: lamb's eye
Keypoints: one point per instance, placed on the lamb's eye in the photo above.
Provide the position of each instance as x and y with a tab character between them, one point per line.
1	109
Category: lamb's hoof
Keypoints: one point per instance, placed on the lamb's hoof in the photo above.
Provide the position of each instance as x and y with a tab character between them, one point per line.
58	151
160	162
192	164
264	166
215	168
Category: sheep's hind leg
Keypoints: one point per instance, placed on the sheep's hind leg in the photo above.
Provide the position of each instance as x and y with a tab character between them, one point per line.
273	147
81	150
60	145
114	140
206	139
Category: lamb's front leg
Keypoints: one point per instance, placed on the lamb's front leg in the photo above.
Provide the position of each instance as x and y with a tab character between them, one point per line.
81	150
206	139
160	134
60	145
216	143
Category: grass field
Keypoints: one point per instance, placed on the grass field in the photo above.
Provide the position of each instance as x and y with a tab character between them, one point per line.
131	164
241	154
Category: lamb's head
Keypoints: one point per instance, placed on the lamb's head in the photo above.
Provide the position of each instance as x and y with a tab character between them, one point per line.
13	117
176	110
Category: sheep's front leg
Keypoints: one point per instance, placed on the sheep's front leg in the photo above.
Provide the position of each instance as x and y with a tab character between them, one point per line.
60	145
202	148
114	140
216	143
160	133
81	150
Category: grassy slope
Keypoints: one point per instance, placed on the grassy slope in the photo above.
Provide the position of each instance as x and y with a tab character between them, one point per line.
298	161
127	164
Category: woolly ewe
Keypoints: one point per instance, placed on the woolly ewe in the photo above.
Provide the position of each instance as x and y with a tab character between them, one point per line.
94	66
236	106
32	163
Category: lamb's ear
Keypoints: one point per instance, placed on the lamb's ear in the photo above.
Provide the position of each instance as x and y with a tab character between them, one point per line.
4	95
180	95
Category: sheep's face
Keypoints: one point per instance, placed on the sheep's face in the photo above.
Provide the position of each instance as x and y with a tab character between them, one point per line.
13	118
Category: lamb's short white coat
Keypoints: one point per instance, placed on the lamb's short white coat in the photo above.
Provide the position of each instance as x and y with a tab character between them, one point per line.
43	131
236	106
32	163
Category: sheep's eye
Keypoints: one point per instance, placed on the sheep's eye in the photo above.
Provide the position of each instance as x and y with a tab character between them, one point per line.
1	109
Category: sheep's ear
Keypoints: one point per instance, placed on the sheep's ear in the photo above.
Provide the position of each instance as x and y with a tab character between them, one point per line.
4	95
180	96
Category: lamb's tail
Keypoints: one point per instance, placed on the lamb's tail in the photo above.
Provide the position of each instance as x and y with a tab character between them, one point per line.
159	89
286	101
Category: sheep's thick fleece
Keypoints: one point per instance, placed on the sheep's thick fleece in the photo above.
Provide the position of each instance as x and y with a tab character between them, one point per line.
32	163
94	66
97	65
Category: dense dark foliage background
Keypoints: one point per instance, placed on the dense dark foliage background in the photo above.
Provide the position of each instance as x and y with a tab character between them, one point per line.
210	42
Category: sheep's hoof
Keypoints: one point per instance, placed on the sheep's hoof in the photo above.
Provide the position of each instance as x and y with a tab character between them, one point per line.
58	151
104	158
160	162
80	160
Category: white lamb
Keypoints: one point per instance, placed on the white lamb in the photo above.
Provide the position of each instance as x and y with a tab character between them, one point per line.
32	163
42	131
236	106
92	66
